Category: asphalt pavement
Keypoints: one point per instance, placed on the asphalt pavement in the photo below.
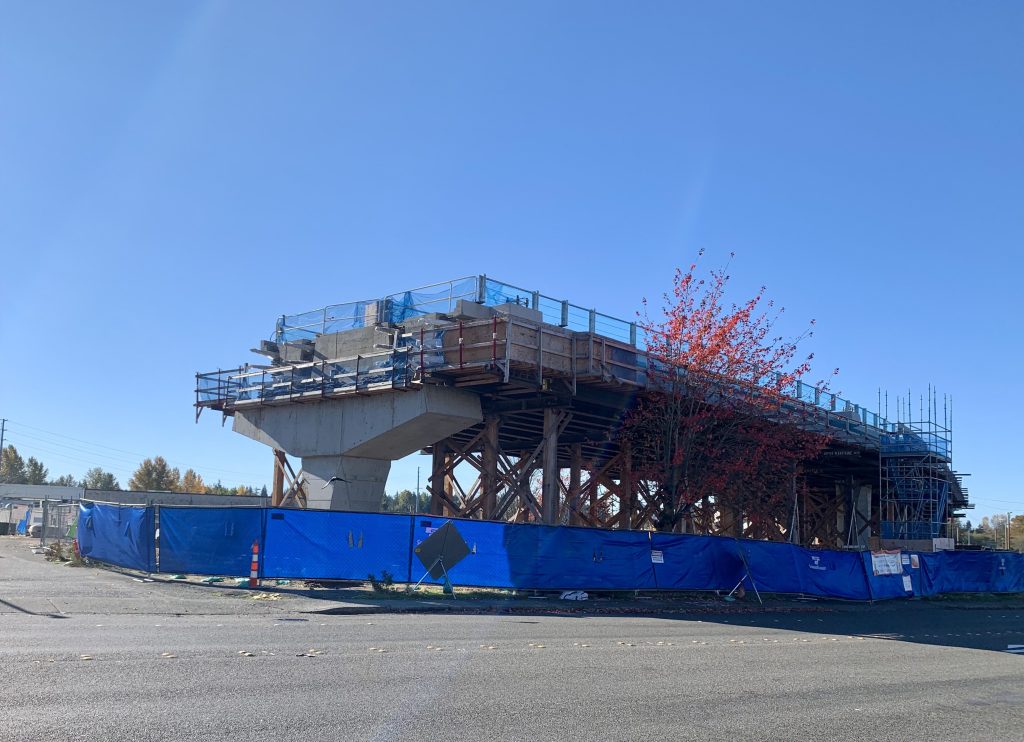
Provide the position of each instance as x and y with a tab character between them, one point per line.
89	654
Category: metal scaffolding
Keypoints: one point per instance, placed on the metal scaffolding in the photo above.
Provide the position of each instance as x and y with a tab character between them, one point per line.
918	488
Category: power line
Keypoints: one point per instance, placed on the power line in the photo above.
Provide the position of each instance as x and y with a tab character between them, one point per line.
49	442
124	470
70	438
120	450
33	448
1008	502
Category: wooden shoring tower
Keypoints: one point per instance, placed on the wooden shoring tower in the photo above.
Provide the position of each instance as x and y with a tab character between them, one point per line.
546	454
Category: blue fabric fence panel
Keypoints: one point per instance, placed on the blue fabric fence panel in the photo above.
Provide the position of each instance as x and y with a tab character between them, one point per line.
343	545
886	587
836	574
333	545
929	574
778	567
1008	572
22	528
544	557
972	571
210	541
772	566
684	562
487	564
117	534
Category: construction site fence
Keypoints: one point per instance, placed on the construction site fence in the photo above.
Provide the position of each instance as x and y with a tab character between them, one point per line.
58	526
321	545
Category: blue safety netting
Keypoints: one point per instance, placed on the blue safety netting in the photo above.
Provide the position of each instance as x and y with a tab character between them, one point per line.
333	545
211	541
117	534
396	309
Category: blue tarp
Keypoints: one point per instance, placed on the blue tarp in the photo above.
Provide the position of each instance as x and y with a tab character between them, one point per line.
786	568
886	587
212	541
837	574
971	571
22	528
117	534
695	562
772	566
340	545
332	545
544	557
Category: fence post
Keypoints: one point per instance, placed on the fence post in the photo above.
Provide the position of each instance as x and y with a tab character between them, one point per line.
154	535
867	577
264	511
412	537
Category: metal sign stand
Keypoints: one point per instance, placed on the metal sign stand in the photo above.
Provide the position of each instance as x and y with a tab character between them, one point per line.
746	568
439	562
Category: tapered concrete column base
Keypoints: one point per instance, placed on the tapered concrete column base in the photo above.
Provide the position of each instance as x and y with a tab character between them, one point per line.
345	482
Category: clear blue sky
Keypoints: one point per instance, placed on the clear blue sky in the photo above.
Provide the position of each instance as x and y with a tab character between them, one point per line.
173	176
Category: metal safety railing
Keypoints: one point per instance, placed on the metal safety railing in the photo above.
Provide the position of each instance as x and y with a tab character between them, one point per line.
264	384
394	367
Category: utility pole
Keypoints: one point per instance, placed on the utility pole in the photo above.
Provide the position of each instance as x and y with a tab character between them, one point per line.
3	427
1008	530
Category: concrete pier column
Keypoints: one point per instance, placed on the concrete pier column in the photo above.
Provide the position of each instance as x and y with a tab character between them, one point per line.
345	482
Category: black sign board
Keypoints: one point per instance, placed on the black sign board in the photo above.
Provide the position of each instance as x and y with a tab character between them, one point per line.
442	550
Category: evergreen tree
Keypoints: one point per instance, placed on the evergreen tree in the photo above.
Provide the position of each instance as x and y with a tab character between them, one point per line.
97	479
12	466
35	472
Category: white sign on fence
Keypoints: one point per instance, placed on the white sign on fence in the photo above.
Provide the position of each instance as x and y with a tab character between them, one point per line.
886	563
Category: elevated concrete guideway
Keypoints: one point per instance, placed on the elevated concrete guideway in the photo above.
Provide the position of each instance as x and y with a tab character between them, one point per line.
514	383
347	444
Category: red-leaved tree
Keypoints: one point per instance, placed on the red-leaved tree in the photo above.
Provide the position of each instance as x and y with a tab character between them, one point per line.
717	430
